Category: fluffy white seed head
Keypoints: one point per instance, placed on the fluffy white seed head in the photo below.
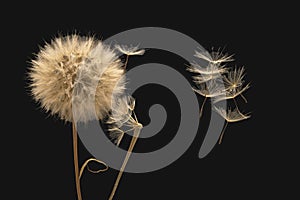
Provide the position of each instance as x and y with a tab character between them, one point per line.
81	63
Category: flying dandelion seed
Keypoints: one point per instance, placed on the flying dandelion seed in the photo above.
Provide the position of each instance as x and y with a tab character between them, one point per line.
230	116
234	84
234	78
210	69
215	57
209	89
130	50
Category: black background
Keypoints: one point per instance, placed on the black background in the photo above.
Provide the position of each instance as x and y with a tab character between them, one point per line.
254	159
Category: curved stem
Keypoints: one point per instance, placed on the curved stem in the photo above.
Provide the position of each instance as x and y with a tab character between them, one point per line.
223	131
75	156
132	144
85	165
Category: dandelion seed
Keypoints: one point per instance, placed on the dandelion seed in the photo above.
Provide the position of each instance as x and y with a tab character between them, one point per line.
210	69
205	78
210	89
234	78
130	51
205	74
234	84
230	116
214	57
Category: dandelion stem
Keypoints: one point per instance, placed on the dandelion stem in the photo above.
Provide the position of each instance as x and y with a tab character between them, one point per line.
223	131
120	139
76	166
126	61
244	98
131	146
235	102
202	106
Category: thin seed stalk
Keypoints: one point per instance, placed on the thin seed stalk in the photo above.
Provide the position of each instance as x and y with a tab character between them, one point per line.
75	158
136	134
223	131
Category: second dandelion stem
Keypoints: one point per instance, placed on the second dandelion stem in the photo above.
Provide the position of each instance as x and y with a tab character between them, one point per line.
136	134
223	131
202	106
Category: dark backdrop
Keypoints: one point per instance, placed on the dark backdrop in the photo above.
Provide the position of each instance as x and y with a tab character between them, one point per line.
38	154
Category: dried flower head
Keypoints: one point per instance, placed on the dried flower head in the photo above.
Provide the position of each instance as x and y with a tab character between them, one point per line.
75	62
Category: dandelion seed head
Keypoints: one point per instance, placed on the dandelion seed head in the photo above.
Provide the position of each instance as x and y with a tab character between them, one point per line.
75	62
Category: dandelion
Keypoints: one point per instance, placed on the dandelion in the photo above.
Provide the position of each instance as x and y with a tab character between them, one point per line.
230	116
75	62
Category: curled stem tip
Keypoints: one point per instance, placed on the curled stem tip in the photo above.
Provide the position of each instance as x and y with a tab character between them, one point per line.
85	165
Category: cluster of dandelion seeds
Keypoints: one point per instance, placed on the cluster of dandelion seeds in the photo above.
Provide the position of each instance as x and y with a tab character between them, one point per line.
217	81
